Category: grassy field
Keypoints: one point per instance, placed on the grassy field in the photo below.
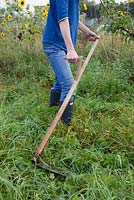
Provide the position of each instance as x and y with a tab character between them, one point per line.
98	147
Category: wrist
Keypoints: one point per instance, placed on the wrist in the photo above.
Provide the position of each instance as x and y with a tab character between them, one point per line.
70	49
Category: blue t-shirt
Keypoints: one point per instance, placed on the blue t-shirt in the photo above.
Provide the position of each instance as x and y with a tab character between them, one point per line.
59	10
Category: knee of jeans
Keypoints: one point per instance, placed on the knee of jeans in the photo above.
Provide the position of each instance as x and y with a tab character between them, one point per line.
67	83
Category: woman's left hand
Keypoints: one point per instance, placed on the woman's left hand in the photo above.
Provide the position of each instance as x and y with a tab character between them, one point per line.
91	36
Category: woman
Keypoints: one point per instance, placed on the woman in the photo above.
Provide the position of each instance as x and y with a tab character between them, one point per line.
59	41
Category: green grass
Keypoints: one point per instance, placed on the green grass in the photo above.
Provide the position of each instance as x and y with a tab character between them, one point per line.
98	147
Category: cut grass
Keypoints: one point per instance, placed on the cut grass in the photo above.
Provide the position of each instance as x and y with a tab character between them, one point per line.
98	147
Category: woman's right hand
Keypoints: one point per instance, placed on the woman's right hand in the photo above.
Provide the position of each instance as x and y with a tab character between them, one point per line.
72	56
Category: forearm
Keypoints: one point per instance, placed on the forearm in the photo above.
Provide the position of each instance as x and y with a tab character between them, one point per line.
84	28
65	31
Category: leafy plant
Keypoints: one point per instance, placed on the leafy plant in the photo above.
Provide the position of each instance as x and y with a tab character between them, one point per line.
118	18
20	23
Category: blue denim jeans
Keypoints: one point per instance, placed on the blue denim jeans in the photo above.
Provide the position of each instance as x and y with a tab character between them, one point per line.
63	75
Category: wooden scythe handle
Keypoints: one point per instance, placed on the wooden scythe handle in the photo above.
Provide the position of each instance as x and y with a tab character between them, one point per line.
81	69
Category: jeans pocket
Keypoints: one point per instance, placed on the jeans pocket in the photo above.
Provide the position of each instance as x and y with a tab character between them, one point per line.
49	49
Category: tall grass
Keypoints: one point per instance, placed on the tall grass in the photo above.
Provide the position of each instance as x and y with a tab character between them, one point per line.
98	147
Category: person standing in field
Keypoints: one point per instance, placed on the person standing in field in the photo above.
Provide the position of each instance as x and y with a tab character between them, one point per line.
59	41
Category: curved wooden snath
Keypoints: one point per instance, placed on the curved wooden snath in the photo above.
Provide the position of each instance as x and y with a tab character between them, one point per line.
80	71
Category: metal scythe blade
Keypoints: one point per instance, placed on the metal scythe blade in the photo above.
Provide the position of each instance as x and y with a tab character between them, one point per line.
47	166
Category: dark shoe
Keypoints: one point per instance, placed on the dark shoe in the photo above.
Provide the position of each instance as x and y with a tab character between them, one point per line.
67	114
55	98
